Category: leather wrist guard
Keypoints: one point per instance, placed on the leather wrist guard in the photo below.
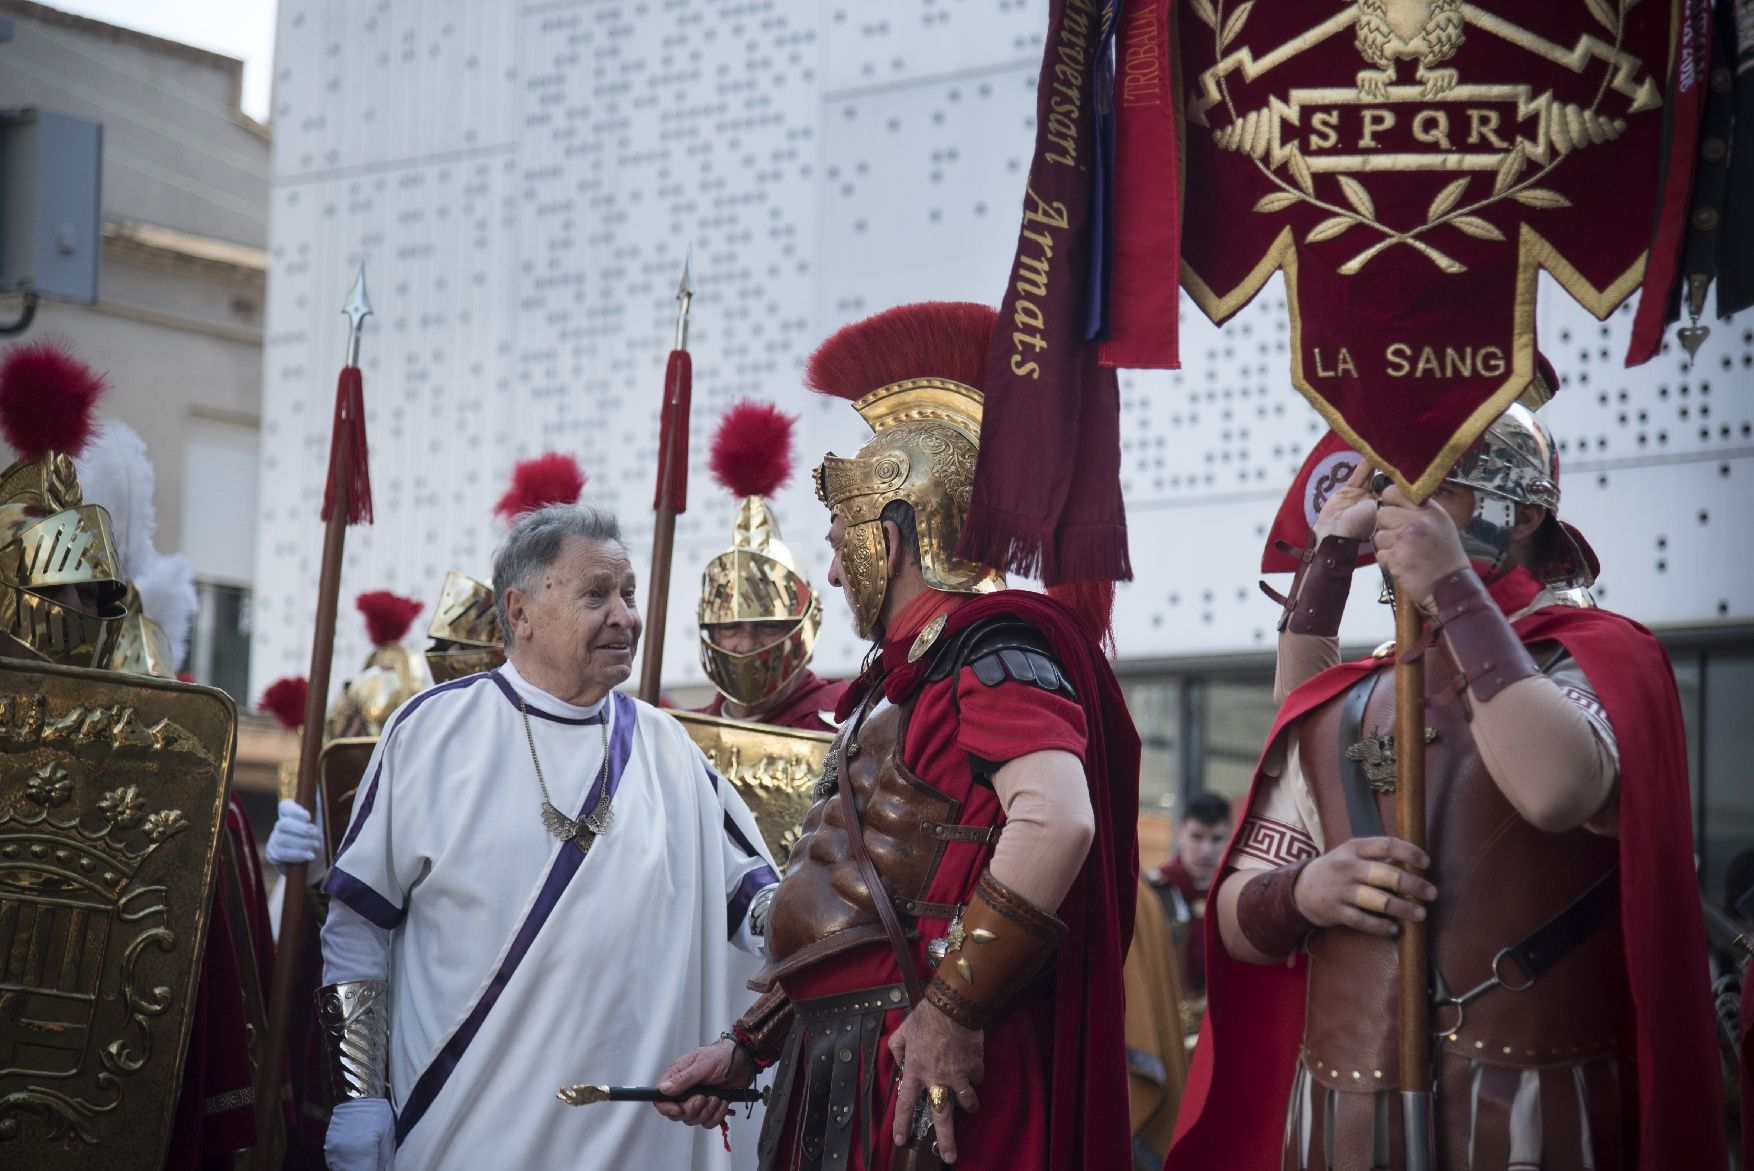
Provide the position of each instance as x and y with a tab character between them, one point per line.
998	942
1487	650
1267	914
355	1018
762	1031
1319	592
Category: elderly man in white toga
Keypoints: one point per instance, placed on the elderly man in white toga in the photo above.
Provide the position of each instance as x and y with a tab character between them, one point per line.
539	886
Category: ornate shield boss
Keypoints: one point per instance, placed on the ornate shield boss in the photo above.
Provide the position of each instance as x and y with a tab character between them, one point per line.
1411	167
112	799
773	769
340	770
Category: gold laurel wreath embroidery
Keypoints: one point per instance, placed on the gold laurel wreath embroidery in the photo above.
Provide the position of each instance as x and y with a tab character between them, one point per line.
1569	127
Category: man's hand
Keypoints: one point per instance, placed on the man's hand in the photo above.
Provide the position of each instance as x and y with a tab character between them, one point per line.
361	1136
723	1063
1357	885
1417	544
1350	510
294	838
932	1050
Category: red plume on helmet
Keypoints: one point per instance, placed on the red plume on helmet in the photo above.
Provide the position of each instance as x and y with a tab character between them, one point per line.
752	451
931	339
285	701
46	399
551	478
387	616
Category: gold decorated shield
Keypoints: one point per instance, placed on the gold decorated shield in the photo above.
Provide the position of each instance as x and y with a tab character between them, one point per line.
340	770
773	769
112	801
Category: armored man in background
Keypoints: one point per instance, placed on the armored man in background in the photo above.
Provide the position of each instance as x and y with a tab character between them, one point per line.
758	614
1569	987
984	787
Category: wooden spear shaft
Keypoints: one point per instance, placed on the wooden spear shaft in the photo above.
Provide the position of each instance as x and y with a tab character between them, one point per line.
672	431
292	898
1413	944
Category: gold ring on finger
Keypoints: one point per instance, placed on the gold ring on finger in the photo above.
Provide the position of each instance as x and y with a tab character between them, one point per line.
1383	875
940	1098
1372	898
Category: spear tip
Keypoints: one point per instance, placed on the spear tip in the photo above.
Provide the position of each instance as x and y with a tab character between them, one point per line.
358	305
684	294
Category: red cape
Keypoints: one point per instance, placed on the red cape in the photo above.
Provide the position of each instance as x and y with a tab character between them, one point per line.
804	708
1232	1115
1088	1127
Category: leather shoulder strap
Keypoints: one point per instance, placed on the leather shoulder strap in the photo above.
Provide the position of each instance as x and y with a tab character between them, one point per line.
910	976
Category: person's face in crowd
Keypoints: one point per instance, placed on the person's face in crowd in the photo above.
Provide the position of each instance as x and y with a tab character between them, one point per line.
578	627
1200	846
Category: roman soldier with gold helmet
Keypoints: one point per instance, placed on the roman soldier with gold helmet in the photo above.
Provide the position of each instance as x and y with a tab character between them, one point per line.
1566	948
139	795
392	674
982	786
759	615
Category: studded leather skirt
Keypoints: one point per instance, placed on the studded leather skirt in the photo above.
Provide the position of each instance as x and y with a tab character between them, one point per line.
825	1094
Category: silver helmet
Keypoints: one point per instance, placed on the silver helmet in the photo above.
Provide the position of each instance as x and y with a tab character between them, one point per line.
1515	462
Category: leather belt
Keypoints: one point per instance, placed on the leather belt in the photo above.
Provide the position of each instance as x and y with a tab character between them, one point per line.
1537	951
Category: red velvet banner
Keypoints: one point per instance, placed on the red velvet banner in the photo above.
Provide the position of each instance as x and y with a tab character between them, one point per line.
1412	168
1146	197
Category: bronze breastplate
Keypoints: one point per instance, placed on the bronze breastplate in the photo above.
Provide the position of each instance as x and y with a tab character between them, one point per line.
823	906
1498	879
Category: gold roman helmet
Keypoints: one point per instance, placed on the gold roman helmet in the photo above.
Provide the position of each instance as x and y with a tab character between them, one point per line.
912	373
60	593
757	579
465	634
142	646
392	674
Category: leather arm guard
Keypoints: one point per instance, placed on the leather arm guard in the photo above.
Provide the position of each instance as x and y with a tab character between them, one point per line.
761	1032
1267	914
1480	638
998	942
355	1018
1319	592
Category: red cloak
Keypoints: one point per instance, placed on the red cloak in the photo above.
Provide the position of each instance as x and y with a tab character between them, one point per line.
804	708
1087	1125
1233	1112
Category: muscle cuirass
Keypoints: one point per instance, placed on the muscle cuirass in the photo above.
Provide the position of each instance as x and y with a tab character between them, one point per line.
1498	880
823	906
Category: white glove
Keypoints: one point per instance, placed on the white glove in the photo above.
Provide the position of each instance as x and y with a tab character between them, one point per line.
295	837
362	1136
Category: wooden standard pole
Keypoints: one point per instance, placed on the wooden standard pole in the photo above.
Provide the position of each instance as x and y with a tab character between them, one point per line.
1413	944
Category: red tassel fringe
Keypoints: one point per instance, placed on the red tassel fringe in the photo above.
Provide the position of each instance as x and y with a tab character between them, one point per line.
672	491
1093	603
356	474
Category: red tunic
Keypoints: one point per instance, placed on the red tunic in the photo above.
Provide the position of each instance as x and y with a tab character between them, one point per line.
1175	877
216	1111
1232	1115
810	707
1041	1092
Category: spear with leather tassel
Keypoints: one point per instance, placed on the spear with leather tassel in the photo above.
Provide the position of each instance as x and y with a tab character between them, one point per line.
347	500
671	498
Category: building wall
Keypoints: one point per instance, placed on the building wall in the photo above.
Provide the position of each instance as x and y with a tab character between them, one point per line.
523	180
178	334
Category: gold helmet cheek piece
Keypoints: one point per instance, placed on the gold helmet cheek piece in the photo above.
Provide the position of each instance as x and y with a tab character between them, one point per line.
392	676
142	647
447	660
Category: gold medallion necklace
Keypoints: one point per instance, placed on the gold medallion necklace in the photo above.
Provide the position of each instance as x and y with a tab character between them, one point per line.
580	831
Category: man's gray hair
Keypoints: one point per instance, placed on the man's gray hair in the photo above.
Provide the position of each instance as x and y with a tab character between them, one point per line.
533	544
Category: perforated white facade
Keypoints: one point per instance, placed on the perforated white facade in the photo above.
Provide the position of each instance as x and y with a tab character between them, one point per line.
522	181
